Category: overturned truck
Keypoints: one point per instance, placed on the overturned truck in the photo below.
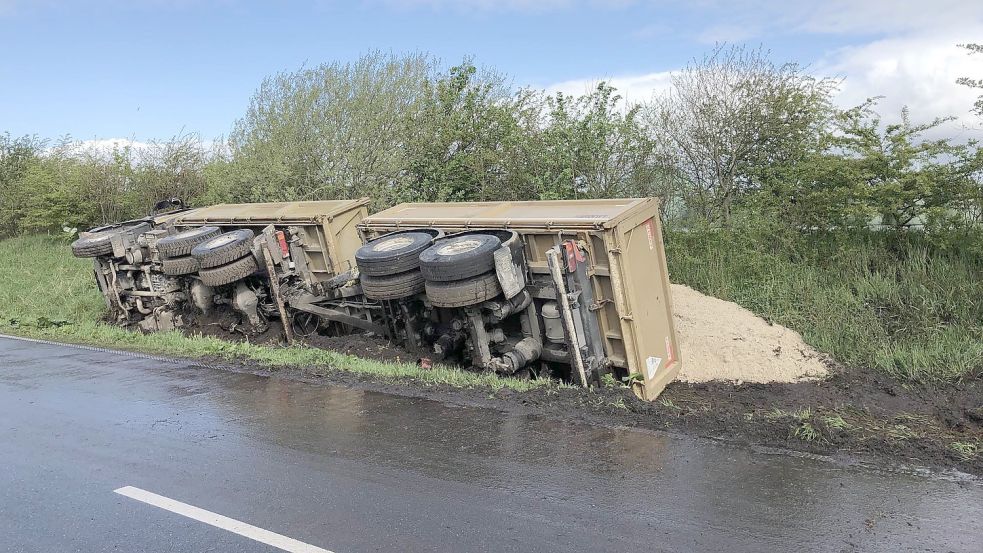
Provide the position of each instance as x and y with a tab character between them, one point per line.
573	290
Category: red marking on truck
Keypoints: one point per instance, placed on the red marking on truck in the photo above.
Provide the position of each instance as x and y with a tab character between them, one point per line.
283	243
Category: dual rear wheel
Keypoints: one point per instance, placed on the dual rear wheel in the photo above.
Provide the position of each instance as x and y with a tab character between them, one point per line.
454	272
175	249
390	266
226	258
217	258
460	271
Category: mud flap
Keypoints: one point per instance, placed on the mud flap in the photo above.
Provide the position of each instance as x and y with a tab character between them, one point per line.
510	274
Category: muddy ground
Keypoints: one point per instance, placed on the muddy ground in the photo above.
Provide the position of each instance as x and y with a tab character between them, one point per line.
855	414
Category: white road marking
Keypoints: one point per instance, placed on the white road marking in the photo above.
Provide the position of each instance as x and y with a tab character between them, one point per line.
219	521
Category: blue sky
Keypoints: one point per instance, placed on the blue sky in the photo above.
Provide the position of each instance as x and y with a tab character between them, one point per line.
152	69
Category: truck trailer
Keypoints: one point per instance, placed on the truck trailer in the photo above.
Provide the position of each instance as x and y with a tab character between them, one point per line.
566	289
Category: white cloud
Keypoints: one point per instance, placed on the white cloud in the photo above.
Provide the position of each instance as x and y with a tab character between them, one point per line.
738	20
633	88
883	16
915	71
99	147
914	63
106	146
103	148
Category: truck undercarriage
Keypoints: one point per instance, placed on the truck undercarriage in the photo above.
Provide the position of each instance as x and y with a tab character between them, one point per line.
572	290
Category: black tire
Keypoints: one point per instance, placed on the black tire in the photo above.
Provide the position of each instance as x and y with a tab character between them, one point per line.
462	293
224	249
459	258
176	266
232	272
181	244
392	287
99	240
392	254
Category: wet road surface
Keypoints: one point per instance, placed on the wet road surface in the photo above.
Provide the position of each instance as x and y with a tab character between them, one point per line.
352	471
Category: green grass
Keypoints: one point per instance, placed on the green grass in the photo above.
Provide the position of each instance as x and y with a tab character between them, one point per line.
836	422
909	309
46	293
966	450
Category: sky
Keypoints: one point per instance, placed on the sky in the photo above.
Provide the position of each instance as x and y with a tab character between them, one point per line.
152	69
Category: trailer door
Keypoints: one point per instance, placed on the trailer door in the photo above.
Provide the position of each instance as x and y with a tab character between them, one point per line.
641	282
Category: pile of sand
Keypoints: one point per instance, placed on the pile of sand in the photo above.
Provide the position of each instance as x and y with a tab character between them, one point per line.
721	340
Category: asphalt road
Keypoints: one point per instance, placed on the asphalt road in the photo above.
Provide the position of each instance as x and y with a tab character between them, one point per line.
351	471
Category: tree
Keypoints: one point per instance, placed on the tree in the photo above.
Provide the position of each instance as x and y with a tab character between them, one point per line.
729	120
333	131
593	147
465	138
170	169
867	172
909	180
17	155
973	83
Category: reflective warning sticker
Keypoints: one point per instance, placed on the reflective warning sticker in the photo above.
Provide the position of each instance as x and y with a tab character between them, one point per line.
652	365
650	232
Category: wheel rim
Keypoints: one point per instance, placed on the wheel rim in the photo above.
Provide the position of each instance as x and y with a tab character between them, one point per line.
221	241
458	247
394	243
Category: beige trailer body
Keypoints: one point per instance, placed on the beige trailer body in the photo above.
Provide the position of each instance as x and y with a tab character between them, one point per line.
627	266
328	235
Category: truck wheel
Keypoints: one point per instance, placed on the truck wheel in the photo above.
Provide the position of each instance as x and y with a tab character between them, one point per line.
459	257
392	254
392	287
224	249
176	266
462	293
180	244
98	241
232	272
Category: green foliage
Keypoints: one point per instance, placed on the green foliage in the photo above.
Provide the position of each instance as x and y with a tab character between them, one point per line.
865	172
466	139
970	81
966	450
805	431
591	148
836	422
398	129
329	132
17	156
734	133
71	184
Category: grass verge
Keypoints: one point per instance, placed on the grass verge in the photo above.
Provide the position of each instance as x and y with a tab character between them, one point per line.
48	294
